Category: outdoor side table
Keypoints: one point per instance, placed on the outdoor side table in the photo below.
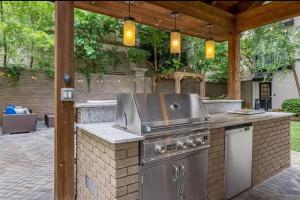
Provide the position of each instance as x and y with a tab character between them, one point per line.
49	119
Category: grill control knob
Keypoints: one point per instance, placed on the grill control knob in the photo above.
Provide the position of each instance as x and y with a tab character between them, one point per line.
160	149
200	140
181	145
191	142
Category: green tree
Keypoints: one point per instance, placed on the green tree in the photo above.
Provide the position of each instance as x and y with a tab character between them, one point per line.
90	28
270	48
137	55
37	19
198	62
156	42
27	30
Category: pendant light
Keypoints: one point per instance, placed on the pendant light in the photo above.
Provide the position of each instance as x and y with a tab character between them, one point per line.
129	29
209	44
175	37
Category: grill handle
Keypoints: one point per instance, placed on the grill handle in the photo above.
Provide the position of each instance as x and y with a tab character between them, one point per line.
181	171
174	173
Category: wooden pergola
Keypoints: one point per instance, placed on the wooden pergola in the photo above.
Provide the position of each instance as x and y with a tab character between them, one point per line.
229	18
178	77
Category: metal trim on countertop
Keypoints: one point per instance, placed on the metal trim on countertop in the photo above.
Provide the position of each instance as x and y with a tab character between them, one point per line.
238	126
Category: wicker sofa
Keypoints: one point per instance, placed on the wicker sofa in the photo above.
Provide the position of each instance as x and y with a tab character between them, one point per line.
19	123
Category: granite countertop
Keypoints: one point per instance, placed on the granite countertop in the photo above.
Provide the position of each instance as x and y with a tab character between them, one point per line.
227	119
96	104
106	131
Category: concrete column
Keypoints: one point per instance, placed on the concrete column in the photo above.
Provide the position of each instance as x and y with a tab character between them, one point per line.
139	74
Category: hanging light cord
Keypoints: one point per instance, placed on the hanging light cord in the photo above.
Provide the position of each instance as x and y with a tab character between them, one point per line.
209	26
129	7
175	20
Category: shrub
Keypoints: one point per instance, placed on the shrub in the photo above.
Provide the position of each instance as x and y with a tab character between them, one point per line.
292	105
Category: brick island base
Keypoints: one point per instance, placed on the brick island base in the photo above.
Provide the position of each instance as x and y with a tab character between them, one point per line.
270	154
106	171
109	171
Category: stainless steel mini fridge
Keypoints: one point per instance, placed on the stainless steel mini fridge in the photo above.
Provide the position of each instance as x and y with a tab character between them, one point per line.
238	160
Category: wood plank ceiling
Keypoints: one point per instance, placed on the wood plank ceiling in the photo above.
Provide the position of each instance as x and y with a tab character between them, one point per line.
226	16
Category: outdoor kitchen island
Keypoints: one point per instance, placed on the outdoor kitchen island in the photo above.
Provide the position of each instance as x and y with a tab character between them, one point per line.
108	164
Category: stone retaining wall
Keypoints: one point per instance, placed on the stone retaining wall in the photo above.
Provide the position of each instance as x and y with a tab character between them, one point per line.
39	94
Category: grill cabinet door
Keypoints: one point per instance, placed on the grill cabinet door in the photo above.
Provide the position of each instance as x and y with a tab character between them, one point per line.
192	177
160	182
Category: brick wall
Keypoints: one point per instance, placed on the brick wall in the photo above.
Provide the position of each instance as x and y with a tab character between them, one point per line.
216	159
106	171
271	148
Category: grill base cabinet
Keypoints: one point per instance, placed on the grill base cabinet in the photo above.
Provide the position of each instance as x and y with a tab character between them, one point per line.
174	150
180	178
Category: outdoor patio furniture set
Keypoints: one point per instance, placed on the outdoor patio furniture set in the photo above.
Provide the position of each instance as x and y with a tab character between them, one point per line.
17	119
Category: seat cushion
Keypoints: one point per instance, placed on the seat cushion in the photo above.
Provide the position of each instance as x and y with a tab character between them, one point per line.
10	110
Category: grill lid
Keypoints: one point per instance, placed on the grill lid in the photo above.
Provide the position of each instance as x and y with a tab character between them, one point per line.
141	113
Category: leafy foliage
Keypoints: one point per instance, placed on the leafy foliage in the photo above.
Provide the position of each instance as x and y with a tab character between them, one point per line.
27	28
27	42
12	71
171	66
198	62
27	31
137	55
89	31
269	48
156	42
292	105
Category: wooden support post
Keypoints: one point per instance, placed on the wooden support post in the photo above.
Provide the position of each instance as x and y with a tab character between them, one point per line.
177	78
64	111
234	77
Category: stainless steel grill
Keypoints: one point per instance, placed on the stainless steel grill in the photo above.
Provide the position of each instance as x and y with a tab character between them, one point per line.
145	114
173	154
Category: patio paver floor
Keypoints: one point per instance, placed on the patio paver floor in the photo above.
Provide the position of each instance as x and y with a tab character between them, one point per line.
283	186
26	165
26	171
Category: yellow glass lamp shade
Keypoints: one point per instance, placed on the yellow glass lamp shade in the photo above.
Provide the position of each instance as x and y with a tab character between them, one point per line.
175	42
129	32
209	49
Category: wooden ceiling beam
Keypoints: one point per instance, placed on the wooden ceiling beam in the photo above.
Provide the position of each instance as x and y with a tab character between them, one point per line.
201	11
267	14
245	5
153	15
225	5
